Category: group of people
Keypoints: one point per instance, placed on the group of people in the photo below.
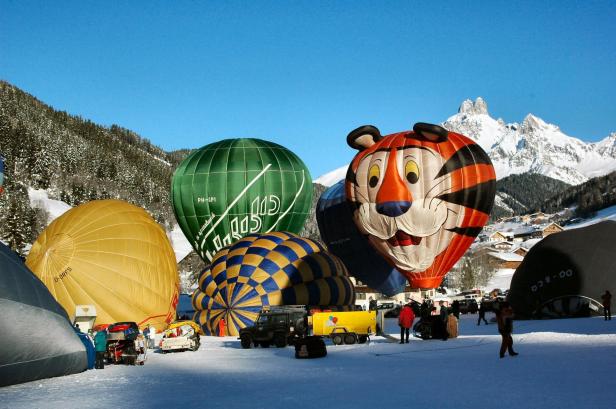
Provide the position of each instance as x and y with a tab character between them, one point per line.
448	322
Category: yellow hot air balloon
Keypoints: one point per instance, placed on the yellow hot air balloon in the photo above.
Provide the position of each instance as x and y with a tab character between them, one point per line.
113	255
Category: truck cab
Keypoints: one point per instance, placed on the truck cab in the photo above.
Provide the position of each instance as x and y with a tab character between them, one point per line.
275	325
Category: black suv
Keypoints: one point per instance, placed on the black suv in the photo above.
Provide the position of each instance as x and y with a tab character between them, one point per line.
277	325
468	306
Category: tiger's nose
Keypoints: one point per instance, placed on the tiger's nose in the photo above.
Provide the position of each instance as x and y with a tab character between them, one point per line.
393	209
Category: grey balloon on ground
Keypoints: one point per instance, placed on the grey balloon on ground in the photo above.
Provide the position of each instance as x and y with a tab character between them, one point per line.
565	274
36	338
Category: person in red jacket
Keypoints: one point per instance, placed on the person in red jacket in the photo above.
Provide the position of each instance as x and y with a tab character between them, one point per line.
405	320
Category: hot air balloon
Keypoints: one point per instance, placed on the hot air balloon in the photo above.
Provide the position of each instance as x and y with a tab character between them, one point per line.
235	187
339	233
421	197
565	274
36	338
268	270
113	255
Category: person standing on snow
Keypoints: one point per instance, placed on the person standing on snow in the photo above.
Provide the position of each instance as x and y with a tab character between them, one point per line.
405	320
146	335
607	305
152	337
443	315
505	328
100	346
482	314
455	309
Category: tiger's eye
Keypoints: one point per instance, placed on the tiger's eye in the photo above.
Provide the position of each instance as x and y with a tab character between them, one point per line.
411	171
374	175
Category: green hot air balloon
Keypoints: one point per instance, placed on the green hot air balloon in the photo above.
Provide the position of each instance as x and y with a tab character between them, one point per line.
235	187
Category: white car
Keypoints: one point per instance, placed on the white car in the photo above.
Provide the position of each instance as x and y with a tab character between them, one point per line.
180	339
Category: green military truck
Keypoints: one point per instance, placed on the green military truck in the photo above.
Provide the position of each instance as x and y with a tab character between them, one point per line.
276	325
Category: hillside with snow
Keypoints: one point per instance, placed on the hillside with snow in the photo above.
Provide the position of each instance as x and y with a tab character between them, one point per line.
530	146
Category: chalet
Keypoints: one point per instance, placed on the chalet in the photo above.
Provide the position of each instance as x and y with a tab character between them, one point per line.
535	218
551	229
520	251
498	236
506	260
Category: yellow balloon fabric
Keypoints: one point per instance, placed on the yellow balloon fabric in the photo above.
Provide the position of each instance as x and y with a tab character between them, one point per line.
113	255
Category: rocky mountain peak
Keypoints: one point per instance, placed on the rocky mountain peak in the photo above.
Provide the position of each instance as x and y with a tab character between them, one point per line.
474	108
532	123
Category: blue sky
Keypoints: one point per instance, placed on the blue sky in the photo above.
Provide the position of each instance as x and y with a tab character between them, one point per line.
304	73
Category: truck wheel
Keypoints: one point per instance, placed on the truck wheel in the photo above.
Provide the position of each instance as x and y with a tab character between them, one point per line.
280	340
245	340
363	339
350	339
337	339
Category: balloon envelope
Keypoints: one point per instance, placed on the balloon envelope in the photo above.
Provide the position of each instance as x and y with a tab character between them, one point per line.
235	187
338	231
565	274
113	255
264	270
36	338
421	197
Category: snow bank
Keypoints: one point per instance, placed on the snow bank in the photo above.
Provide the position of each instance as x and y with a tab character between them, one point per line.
40	199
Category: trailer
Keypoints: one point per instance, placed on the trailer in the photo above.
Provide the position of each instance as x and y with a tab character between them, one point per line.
348	327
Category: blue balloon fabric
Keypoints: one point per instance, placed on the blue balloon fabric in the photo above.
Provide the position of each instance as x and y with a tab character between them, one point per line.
339	233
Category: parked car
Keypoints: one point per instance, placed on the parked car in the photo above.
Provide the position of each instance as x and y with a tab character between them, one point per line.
181	336
278	325
468	306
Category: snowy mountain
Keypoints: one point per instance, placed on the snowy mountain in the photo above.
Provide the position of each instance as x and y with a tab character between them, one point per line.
533	146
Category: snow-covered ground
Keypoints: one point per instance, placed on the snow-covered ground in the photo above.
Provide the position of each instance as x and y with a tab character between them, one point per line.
179	242
562	364
40	199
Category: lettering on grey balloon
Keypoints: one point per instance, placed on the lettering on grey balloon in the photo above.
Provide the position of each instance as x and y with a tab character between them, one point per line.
551	279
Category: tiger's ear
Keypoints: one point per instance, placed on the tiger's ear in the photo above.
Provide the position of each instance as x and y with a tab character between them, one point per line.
363	137
432	133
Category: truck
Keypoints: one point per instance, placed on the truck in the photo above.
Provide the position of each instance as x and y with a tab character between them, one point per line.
283	325
278	325
348	327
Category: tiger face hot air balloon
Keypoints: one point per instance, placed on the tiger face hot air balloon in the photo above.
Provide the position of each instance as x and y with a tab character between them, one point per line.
421	197
235	187
268	270
113	255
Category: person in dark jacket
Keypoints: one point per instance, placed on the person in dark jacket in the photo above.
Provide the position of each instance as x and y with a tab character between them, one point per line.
482	313
505	328
443	314
405	320
455	309
100	345
607	305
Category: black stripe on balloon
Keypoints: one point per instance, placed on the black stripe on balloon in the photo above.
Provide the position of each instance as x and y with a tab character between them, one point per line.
479	197
466	231
288	296
351	176
465	156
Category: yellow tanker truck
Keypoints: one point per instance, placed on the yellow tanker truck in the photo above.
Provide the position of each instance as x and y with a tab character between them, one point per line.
348	327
